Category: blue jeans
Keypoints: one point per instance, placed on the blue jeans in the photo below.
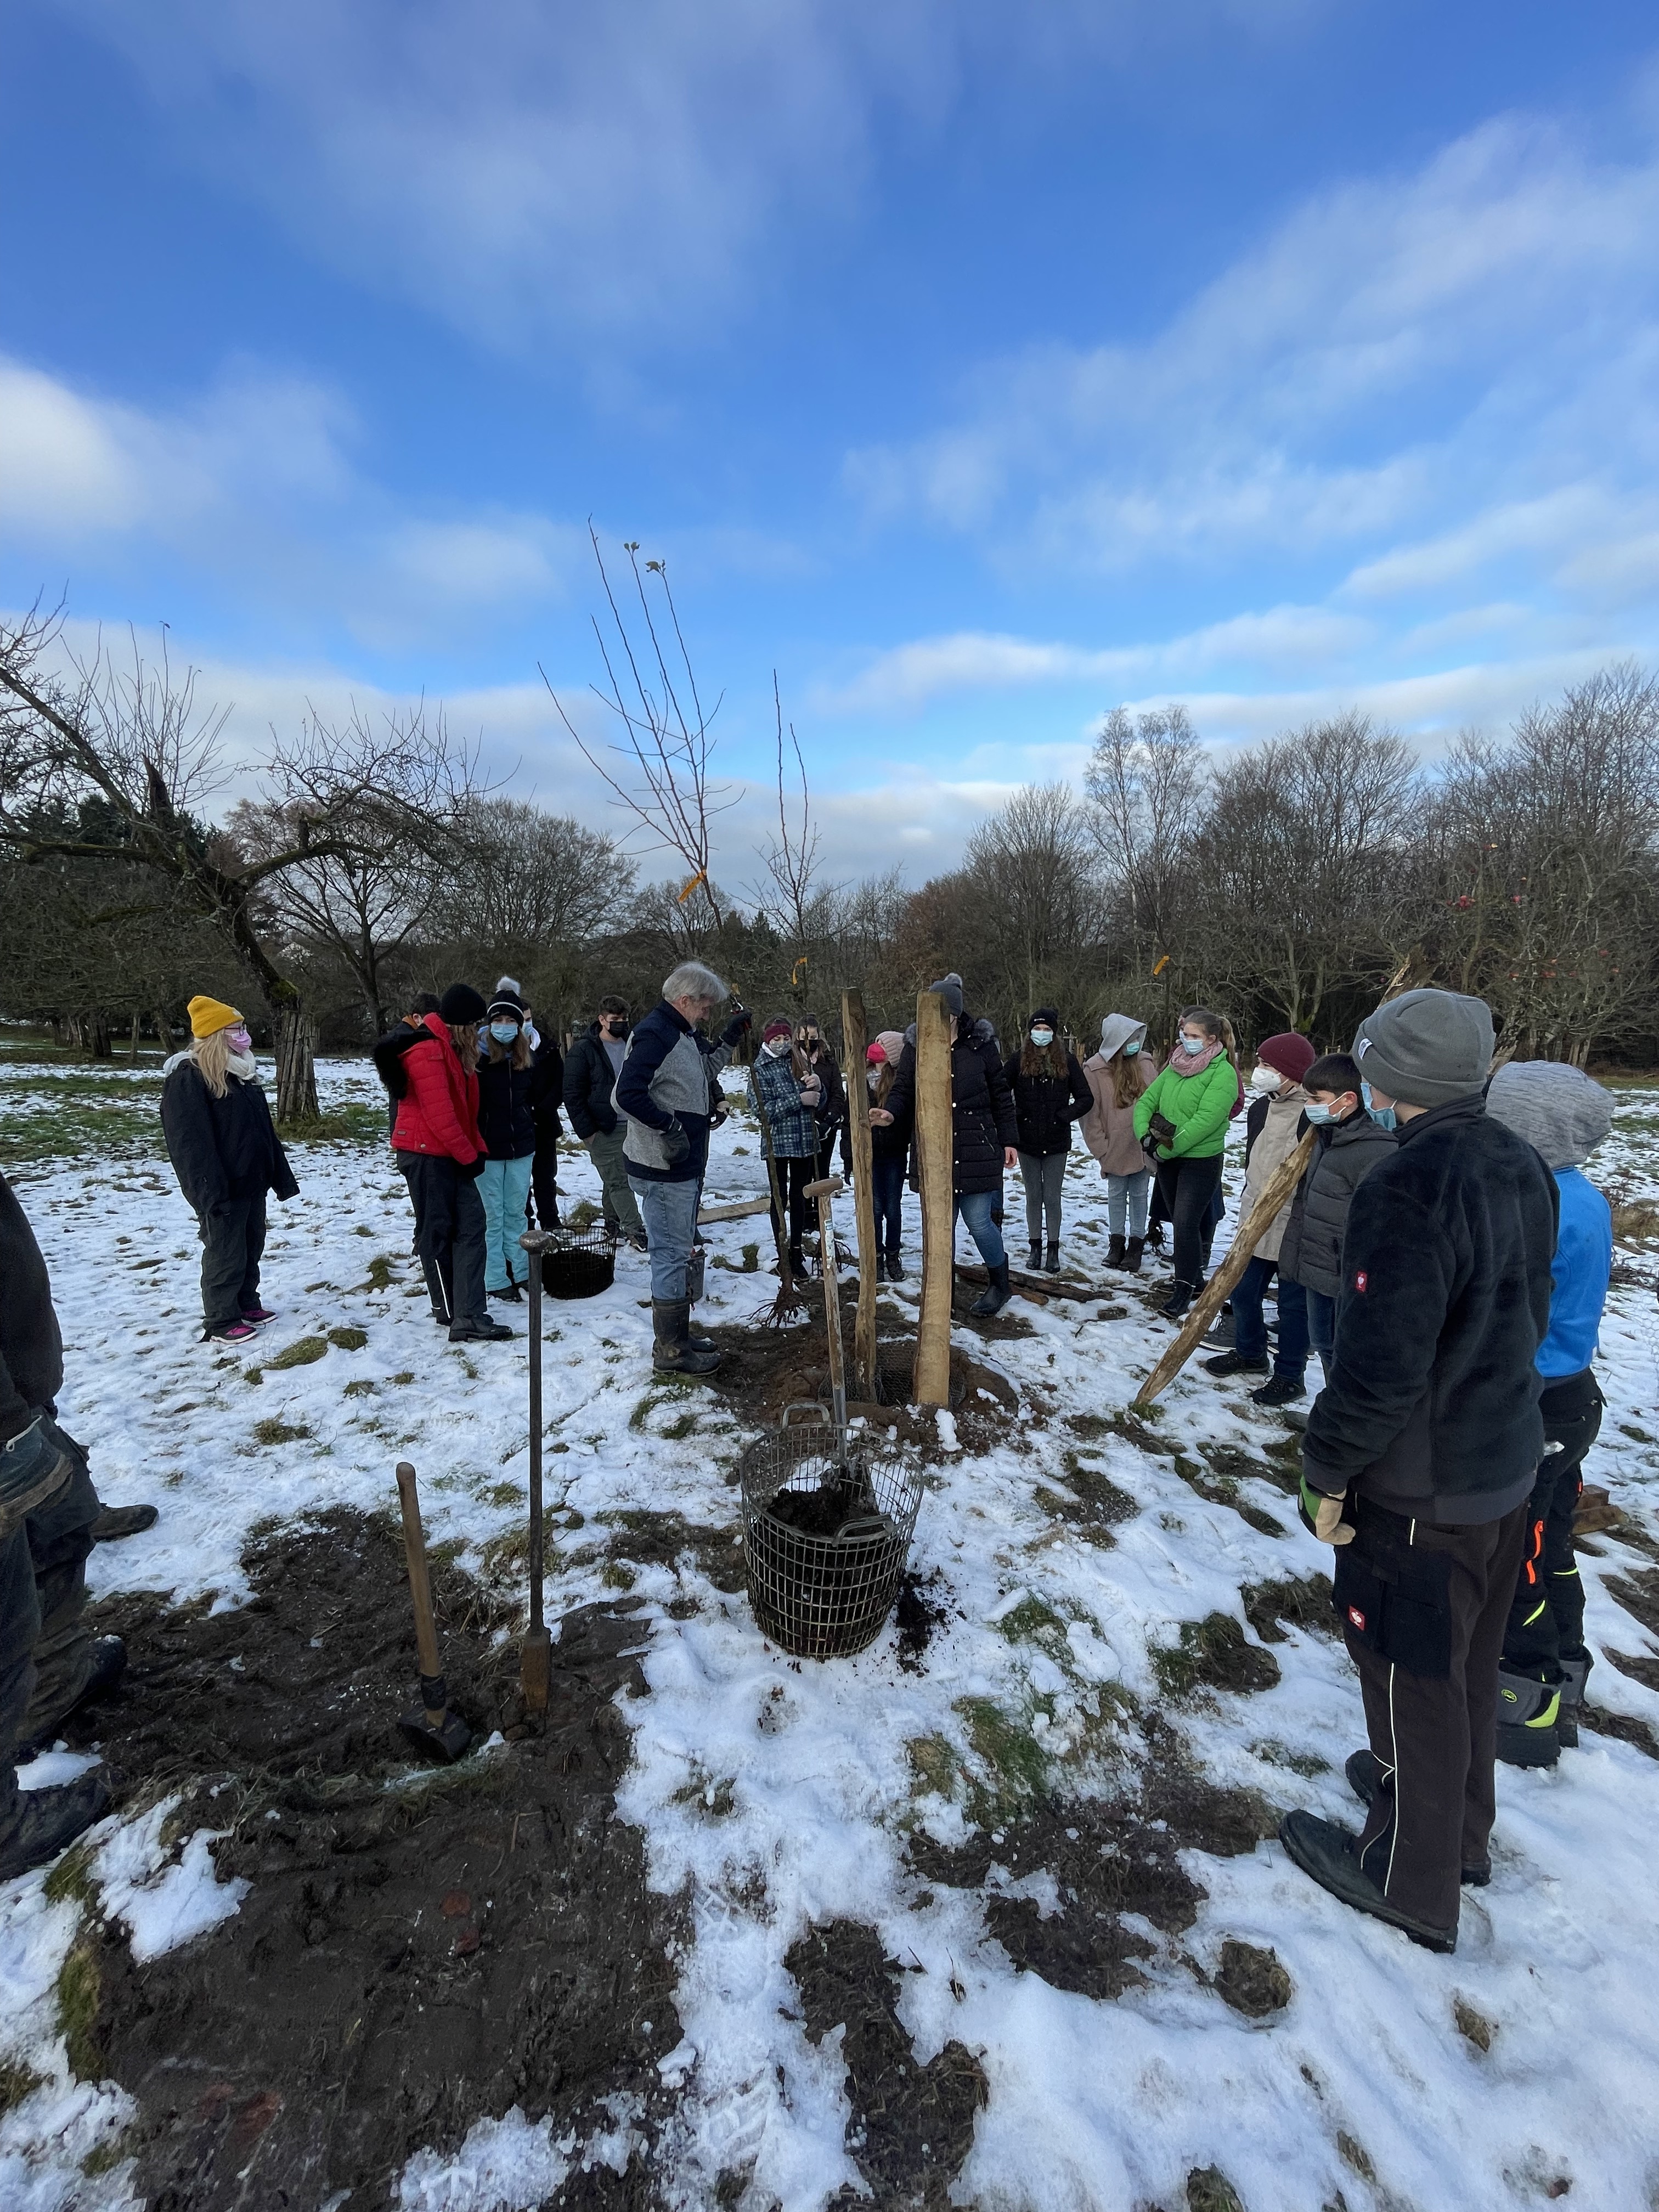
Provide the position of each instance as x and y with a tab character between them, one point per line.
887	1189
1126	1202
503	1186
1250	1331
1322	1324
669	1210
975	1208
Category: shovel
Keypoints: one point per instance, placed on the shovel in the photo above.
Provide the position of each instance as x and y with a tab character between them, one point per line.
536	1653
431	1726
849	1475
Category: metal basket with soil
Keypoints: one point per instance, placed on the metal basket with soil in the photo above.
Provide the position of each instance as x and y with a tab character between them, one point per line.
826	1524
579	1263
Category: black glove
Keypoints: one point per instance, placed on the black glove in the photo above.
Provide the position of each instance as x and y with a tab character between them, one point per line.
474	1168
1162	1128
735	1028
676	1145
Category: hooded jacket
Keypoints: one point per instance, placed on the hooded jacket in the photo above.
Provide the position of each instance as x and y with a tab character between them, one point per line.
1563	1114
1201	1106
981	1108
439	1116
221	1149
1109	1129
1310	1251
31	1346
1430	1406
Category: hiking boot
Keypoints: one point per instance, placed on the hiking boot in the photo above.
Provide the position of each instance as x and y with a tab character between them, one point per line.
671	1350
230	1332
895	1268
256	1316
1116	1251
1051	1258
1280	1391
1234	1363
638	1241
508	1291
1360	1767
1155	1235
47	1821
1132	1252
997	1295
1033	1257
1575	1666
1181	1295
115	1522
1326	1852
486	1331
1527	1714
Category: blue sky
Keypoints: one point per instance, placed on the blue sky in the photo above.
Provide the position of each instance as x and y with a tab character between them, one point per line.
976	367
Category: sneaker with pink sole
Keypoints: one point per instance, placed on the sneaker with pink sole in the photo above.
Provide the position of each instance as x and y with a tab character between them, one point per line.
234	1332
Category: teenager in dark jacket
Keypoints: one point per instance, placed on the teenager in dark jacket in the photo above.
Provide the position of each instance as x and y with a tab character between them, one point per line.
1050	1092
440	1153
1563	1115
830	1113
388	1053
225	1154
1350	1145
787	1089
507	1091
982	1132
1420	1453
890	1153
591	1071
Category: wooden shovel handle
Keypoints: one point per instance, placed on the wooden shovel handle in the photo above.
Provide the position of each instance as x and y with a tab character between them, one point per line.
831	1186
426	1633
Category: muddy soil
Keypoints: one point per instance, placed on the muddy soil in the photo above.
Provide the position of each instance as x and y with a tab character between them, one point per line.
419	1948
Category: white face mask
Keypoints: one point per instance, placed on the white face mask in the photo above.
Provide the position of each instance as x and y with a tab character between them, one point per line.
1265	1078
777	1048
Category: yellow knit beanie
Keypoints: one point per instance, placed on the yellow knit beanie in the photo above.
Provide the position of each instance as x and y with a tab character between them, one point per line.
209	1016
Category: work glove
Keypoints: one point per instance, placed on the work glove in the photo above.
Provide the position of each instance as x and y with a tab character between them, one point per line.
1321	1515
1162	1129
34	1469
812	1090
734	1029
677	1146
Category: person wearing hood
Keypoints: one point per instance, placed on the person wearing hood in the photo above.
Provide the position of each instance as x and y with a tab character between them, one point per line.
507	1123
1420	1454
1564	1115
983	1129
1116	1075
890	1153
1271	1131
1049	1094
440	1153
787	1089
1185	1113
226	1155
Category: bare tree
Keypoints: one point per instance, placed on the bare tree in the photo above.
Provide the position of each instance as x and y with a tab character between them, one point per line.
1032	865
791	856
1146	781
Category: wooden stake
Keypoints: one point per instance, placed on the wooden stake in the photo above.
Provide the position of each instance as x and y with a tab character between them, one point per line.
825	1192
855	1039
1254	1227
935	1163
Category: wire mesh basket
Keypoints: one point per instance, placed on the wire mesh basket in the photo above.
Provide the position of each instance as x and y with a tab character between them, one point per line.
826	1524
579	1263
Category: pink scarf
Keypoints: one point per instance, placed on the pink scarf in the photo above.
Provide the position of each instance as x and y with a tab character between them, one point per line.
1182	1064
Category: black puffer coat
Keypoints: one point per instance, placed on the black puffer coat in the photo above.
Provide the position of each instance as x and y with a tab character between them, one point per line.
981	1108
546	1093
589	1081
507	1108
31	1348
1045	1106
221	1149
1311	1252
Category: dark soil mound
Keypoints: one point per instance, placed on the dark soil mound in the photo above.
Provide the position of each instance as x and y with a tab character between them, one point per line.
418	1950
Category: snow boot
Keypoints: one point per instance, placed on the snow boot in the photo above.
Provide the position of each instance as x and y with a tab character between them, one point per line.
1033	1256
1527	1714
672	1352
1360	1767
1181	1295
1116	1251
895	1268
508	1291
1576	1666
256	1316
48	1820
1281	1390
1051	1257
1326	1852
996	1296
233	1332
1132	1252
1234	1363
488	1330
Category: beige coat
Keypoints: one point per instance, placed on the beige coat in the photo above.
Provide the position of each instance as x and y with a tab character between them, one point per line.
1271	1148
1109	1129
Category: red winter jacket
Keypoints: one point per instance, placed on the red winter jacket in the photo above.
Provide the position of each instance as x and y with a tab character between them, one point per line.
439	1112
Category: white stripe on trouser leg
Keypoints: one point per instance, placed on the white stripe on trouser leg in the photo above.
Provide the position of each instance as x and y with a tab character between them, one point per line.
1394	1746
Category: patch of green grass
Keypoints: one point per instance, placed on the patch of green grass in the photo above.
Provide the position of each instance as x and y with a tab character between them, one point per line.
641	1412
348	1125
710	1794
935	1765
502	1495
404	1377
71	1879
582	1216
305	1351
278	1432
379	1273
1275	1753
107	2157
363	1229
677	1430
346	1339
17	2082
751	1261
254	1375
1031	1621
1014	1765
78	1992
1212	1654
77	1127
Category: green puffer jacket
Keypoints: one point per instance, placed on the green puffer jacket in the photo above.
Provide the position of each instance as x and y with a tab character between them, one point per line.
1200	1106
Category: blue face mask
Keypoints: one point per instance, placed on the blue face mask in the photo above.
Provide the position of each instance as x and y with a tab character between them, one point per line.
1382	1115
1192	1046
503	1033
1132	1048
1319	1115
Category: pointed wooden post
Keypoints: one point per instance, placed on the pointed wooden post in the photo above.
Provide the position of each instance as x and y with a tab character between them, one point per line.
935	1165
855	1039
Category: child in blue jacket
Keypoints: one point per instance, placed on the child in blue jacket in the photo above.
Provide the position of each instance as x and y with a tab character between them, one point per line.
1564	1115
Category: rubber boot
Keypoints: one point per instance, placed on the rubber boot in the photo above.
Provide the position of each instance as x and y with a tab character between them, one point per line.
1527	1714
1033	1255
1576	1666
698	1340
46	1820
1116	1251
1051	1258
996	1296
672	1352
1132	1253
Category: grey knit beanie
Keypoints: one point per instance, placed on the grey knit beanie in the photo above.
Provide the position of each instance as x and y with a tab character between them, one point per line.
1561	1112
949	989
1426	1048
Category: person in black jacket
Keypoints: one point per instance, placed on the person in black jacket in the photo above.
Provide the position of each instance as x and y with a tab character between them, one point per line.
388	1053
1349	1146
830	1113
506	1122
889	1154
1420	1456
982	1129
590	1079
225	1154
1050	1091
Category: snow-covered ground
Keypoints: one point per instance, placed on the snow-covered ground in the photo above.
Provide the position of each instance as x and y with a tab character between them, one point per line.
1363	2091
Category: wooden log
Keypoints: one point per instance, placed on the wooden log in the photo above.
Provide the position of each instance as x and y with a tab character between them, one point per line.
738	1209
1210	1300
935	1165
855	1039
1048	1287
1023	1287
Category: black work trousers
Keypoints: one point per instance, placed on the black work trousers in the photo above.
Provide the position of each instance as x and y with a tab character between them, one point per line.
1189	1187
449	1235
544	1182
1422	1612
794	1175
1547	1616
233	1237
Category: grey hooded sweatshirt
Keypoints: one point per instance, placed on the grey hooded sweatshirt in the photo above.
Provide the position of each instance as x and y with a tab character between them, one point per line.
1109	1129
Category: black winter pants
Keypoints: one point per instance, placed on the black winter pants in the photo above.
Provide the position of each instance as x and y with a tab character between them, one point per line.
1547	1616
544	1183
1189	1187
233	1243
449	1237
794	1175
46	1646
1422	1612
